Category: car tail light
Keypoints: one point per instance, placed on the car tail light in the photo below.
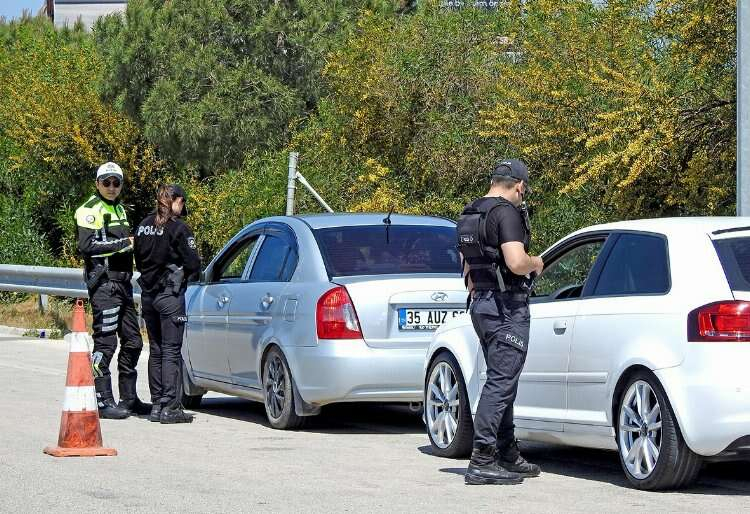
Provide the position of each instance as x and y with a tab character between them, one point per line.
335	316
722	321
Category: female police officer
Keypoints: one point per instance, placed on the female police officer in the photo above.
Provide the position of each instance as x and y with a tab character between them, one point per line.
166	256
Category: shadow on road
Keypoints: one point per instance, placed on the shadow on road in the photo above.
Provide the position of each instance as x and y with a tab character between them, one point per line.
729	478
344	418
582	463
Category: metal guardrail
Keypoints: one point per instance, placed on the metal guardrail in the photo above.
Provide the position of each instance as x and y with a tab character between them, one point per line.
50	281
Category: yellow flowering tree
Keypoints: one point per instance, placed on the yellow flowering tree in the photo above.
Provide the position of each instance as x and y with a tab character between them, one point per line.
631	104
56	131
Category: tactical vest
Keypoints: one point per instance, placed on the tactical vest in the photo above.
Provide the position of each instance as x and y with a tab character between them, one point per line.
487	268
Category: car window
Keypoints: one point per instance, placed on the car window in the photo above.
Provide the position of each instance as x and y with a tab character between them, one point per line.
734	255
276	261
638	264
231	269
383	250
564	278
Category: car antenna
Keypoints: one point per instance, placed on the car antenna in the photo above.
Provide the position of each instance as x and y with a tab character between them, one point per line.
387	221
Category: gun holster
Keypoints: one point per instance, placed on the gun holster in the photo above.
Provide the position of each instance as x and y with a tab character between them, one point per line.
173	280
95	277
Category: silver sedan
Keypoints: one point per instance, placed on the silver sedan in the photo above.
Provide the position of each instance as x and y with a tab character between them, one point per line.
299	312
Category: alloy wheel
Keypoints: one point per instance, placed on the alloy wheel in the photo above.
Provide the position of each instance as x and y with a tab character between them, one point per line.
442	407
640	430
274	386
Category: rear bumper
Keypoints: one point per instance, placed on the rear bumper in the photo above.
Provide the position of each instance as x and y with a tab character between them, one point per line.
351	371
710	395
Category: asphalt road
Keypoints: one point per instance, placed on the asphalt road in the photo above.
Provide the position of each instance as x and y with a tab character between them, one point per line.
352	458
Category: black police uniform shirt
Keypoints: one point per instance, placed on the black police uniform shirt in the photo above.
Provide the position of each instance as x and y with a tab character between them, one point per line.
103	233
504	224
158	247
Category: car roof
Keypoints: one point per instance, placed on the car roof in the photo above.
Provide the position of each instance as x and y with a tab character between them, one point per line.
674	226
316	221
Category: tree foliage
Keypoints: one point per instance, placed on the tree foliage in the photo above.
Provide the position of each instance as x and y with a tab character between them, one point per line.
622	109
211	80
56	130
633	102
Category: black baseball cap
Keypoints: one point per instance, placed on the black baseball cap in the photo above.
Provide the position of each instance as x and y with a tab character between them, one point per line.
512	168
180	193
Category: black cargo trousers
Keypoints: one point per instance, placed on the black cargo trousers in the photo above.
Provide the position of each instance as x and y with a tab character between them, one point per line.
115	315
164	314
502	322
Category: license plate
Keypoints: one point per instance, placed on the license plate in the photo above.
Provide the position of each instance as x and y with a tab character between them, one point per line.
425	319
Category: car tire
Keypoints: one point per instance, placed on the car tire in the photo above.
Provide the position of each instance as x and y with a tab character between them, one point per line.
653	453
442	415
278	395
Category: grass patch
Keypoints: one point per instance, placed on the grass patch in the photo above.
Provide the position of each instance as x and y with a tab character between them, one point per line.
26	314
55	321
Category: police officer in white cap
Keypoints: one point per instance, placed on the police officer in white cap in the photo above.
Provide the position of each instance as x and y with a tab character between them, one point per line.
104	240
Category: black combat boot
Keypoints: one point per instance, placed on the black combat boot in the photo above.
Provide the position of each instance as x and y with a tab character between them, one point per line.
108	409
129	398
510	458
484	470
155	415
171	414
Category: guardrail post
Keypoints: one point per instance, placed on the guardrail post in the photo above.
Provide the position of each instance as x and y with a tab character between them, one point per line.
43	303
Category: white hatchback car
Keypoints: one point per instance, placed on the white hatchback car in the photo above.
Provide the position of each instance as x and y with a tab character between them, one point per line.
640	342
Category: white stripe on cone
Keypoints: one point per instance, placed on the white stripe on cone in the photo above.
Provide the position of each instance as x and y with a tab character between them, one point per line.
78	341
78	399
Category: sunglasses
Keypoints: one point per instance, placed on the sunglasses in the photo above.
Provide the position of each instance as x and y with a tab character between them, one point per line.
115	182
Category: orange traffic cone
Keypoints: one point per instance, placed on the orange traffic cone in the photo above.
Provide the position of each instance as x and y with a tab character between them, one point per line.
80	433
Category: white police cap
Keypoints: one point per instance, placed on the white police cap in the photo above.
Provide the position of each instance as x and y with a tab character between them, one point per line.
108	169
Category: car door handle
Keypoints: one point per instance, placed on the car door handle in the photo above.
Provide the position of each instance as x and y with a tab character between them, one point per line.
266	301
560	326
222	301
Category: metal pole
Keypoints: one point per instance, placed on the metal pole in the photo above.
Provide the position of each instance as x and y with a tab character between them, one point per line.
291	186
313	192
743	108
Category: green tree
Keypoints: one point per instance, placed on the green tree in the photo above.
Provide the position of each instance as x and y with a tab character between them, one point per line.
400	126
630	105
211	80
55	131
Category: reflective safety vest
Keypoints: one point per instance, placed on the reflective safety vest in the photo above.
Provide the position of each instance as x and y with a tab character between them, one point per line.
103	235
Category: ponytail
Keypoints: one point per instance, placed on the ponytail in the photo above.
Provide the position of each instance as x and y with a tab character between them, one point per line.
165	195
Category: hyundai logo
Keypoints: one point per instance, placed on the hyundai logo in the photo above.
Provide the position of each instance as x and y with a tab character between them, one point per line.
439	297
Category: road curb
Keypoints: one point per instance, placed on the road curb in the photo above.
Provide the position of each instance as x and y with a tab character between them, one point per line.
41	333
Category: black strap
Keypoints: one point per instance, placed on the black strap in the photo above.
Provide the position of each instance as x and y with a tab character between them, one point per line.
119	276
518	296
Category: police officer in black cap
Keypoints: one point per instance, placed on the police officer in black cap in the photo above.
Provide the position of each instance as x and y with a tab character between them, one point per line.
494	238
166	256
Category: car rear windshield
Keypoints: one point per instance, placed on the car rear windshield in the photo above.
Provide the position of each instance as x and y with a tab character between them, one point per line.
382	250
734	255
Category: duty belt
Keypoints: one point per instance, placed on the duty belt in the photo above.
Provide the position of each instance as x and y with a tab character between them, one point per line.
518	296
119	276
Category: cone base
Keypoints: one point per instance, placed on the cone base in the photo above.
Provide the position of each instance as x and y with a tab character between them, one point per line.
56	451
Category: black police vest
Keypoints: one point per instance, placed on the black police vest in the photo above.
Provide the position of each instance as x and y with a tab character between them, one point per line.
487	268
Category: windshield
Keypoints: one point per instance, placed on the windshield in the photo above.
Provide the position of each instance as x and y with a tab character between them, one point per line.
379	250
